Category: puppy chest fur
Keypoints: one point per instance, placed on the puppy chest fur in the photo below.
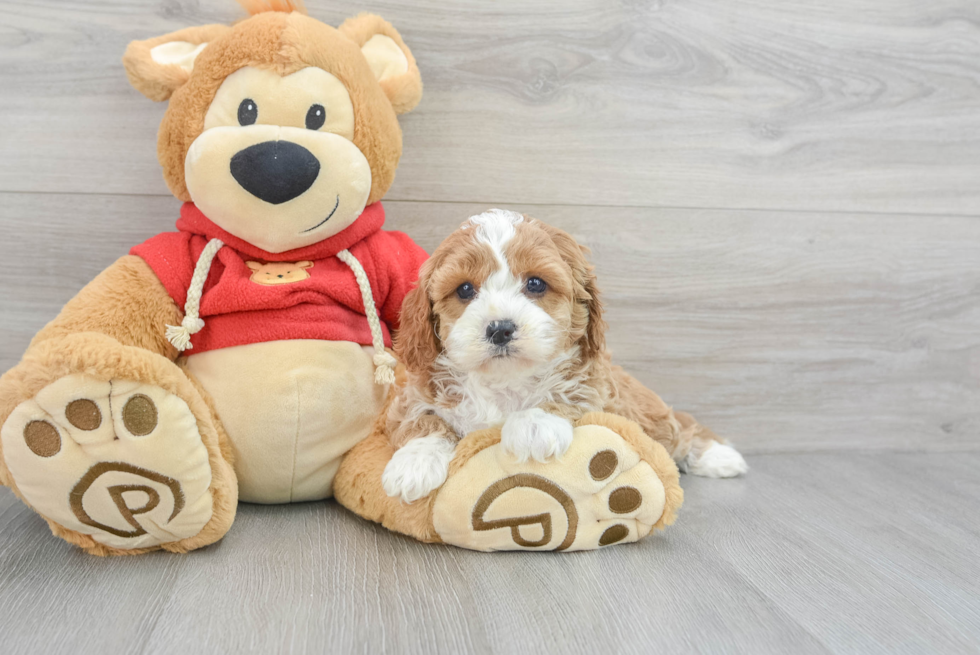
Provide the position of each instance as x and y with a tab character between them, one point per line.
468	402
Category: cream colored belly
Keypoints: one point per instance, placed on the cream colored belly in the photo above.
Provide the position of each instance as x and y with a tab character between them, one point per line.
292	409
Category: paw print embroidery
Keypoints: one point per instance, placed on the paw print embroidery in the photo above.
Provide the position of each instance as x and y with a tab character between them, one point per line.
119	460
279	272
602	492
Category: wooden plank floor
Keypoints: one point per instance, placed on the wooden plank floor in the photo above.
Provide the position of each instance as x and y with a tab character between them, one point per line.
811	553
783	206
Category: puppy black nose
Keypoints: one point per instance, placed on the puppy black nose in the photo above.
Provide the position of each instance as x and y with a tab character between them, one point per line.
275	171
500	333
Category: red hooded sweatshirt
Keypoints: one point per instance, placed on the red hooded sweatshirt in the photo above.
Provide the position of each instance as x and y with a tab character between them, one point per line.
326	305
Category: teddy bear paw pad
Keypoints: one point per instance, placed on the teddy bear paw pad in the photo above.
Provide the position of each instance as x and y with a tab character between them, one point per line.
599	493
120	461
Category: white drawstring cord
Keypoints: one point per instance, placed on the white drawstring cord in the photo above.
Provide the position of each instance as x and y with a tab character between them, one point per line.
180	335
384	372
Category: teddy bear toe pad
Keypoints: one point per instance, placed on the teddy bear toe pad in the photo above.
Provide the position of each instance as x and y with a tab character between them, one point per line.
118	460
601	492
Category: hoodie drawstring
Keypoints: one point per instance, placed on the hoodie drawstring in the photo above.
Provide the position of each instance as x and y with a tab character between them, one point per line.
384	372
180	335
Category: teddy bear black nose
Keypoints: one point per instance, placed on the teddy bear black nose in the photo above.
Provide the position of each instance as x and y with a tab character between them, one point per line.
275	171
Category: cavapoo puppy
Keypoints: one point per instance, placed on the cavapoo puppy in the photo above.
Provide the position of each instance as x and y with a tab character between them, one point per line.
505	328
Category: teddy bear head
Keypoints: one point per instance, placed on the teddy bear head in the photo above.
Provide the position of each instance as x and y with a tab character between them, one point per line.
280	128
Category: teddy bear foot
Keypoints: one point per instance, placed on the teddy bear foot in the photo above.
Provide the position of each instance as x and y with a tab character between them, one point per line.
613	485
120	461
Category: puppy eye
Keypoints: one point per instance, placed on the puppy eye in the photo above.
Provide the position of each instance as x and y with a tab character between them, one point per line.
536	286
248	112
465	291
315	117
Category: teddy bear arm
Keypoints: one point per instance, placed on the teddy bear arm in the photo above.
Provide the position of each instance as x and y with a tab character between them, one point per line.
126	302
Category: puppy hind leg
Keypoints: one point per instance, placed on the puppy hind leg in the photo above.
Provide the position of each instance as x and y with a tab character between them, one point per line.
694	447
708	454
629	398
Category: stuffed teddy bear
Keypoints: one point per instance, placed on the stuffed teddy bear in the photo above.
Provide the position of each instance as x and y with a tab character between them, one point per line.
246	355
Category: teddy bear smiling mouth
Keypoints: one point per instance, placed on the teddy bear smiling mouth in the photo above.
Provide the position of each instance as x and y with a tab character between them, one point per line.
329	216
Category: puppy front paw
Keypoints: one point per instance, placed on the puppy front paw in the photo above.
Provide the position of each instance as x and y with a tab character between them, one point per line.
536	434
418	468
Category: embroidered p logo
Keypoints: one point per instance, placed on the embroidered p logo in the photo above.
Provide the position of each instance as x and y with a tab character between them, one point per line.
602	492
538	522
117	493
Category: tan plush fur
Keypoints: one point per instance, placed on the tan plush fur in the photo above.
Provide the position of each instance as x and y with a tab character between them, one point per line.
259	6
126	302
158	81
404	91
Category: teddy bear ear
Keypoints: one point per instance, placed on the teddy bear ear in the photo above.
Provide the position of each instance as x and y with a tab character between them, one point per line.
304	264
255	266
390	59
157	67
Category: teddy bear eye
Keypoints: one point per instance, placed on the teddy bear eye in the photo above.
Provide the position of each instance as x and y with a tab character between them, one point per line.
248	112
315	117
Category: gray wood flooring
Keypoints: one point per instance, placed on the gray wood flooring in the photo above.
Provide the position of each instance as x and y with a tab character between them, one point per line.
782	199
811	553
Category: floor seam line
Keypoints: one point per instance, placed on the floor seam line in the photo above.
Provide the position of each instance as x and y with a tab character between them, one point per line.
719	208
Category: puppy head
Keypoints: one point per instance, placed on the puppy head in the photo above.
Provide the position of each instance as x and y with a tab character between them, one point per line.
500	295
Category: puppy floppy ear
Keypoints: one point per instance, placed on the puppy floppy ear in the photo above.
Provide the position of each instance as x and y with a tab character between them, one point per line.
595	333
391	61
158	67
587	292
416	344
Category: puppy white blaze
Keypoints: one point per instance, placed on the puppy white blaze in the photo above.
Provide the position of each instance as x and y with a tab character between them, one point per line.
496	228
500	297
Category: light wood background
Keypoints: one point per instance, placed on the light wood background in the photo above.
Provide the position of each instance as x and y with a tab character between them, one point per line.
783	201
